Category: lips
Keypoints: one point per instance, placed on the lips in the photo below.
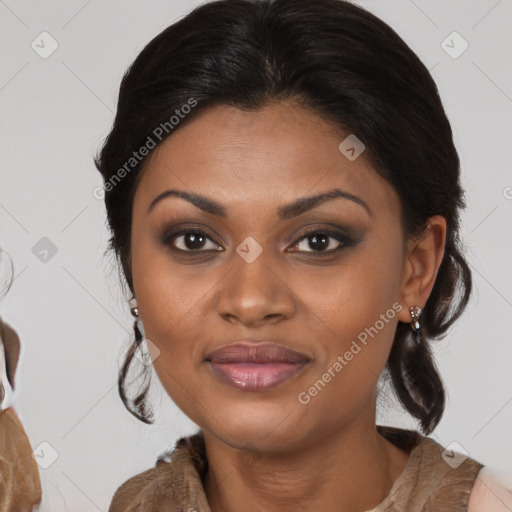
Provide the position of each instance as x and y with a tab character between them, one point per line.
255	367
246	352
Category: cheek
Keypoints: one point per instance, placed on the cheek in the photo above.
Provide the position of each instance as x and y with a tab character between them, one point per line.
167	295
354	329
171	306
354	294
171	313
352	312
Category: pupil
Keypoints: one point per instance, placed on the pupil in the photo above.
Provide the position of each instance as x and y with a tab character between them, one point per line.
321	240
195	241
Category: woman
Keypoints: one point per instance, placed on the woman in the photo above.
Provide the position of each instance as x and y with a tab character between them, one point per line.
283	194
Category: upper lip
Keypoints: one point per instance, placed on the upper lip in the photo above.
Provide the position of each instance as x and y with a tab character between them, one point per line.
251	352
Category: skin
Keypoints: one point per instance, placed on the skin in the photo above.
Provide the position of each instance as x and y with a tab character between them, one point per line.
266	450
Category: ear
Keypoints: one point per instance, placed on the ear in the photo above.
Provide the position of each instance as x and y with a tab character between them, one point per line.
421	264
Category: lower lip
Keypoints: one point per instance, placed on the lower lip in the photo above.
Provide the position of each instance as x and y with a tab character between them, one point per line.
256	376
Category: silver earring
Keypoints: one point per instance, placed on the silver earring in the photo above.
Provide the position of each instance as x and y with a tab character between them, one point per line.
134	310
415	312
415	315
137	324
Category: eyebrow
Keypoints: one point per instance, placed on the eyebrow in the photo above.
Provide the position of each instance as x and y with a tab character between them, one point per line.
287	211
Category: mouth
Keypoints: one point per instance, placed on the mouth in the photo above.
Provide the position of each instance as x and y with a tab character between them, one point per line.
255	367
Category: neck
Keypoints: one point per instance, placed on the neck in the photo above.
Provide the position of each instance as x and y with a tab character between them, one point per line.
352	470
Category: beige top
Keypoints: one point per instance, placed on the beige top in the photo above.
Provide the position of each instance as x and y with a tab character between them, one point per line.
427	483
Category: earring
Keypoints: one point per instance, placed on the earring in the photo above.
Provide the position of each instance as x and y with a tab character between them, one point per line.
134	310
137	324
415	312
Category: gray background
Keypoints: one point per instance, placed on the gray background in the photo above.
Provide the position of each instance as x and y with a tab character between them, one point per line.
70	311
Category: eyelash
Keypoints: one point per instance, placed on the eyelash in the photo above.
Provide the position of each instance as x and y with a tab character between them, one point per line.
345	240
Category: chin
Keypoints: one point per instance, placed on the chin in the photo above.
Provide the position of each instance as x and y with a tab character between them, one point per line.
253	428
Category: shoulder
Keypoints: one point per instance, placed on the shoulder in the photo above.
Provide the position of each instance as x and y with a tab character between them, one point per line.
449	474
491	492
139	492
435	478
170	485
129	490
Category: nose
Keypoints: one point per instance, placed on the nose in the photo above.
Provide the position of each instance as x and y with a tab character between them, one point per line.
254	293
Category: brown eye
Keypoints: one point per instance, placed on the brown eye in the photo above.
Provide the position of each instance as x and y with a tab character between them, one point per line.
323	241
190	240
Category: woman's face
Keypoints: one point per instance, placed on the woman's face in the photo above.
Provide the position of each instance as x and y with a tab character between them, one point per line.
255	275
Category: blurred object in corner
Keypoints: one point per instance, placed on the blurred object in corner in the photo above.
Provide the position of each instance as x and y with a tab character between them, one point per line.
20	486
6	272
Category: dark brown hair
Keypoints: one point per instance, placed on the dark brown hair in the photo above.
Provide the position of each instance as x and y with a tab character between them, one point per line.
351	68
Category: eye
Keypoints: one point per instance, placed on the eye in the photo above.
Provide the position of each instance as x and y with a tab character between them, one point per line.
191	240
323	241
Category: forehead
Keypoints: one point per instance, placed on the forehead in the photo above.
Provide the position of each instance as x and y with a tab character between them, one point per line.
276	153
